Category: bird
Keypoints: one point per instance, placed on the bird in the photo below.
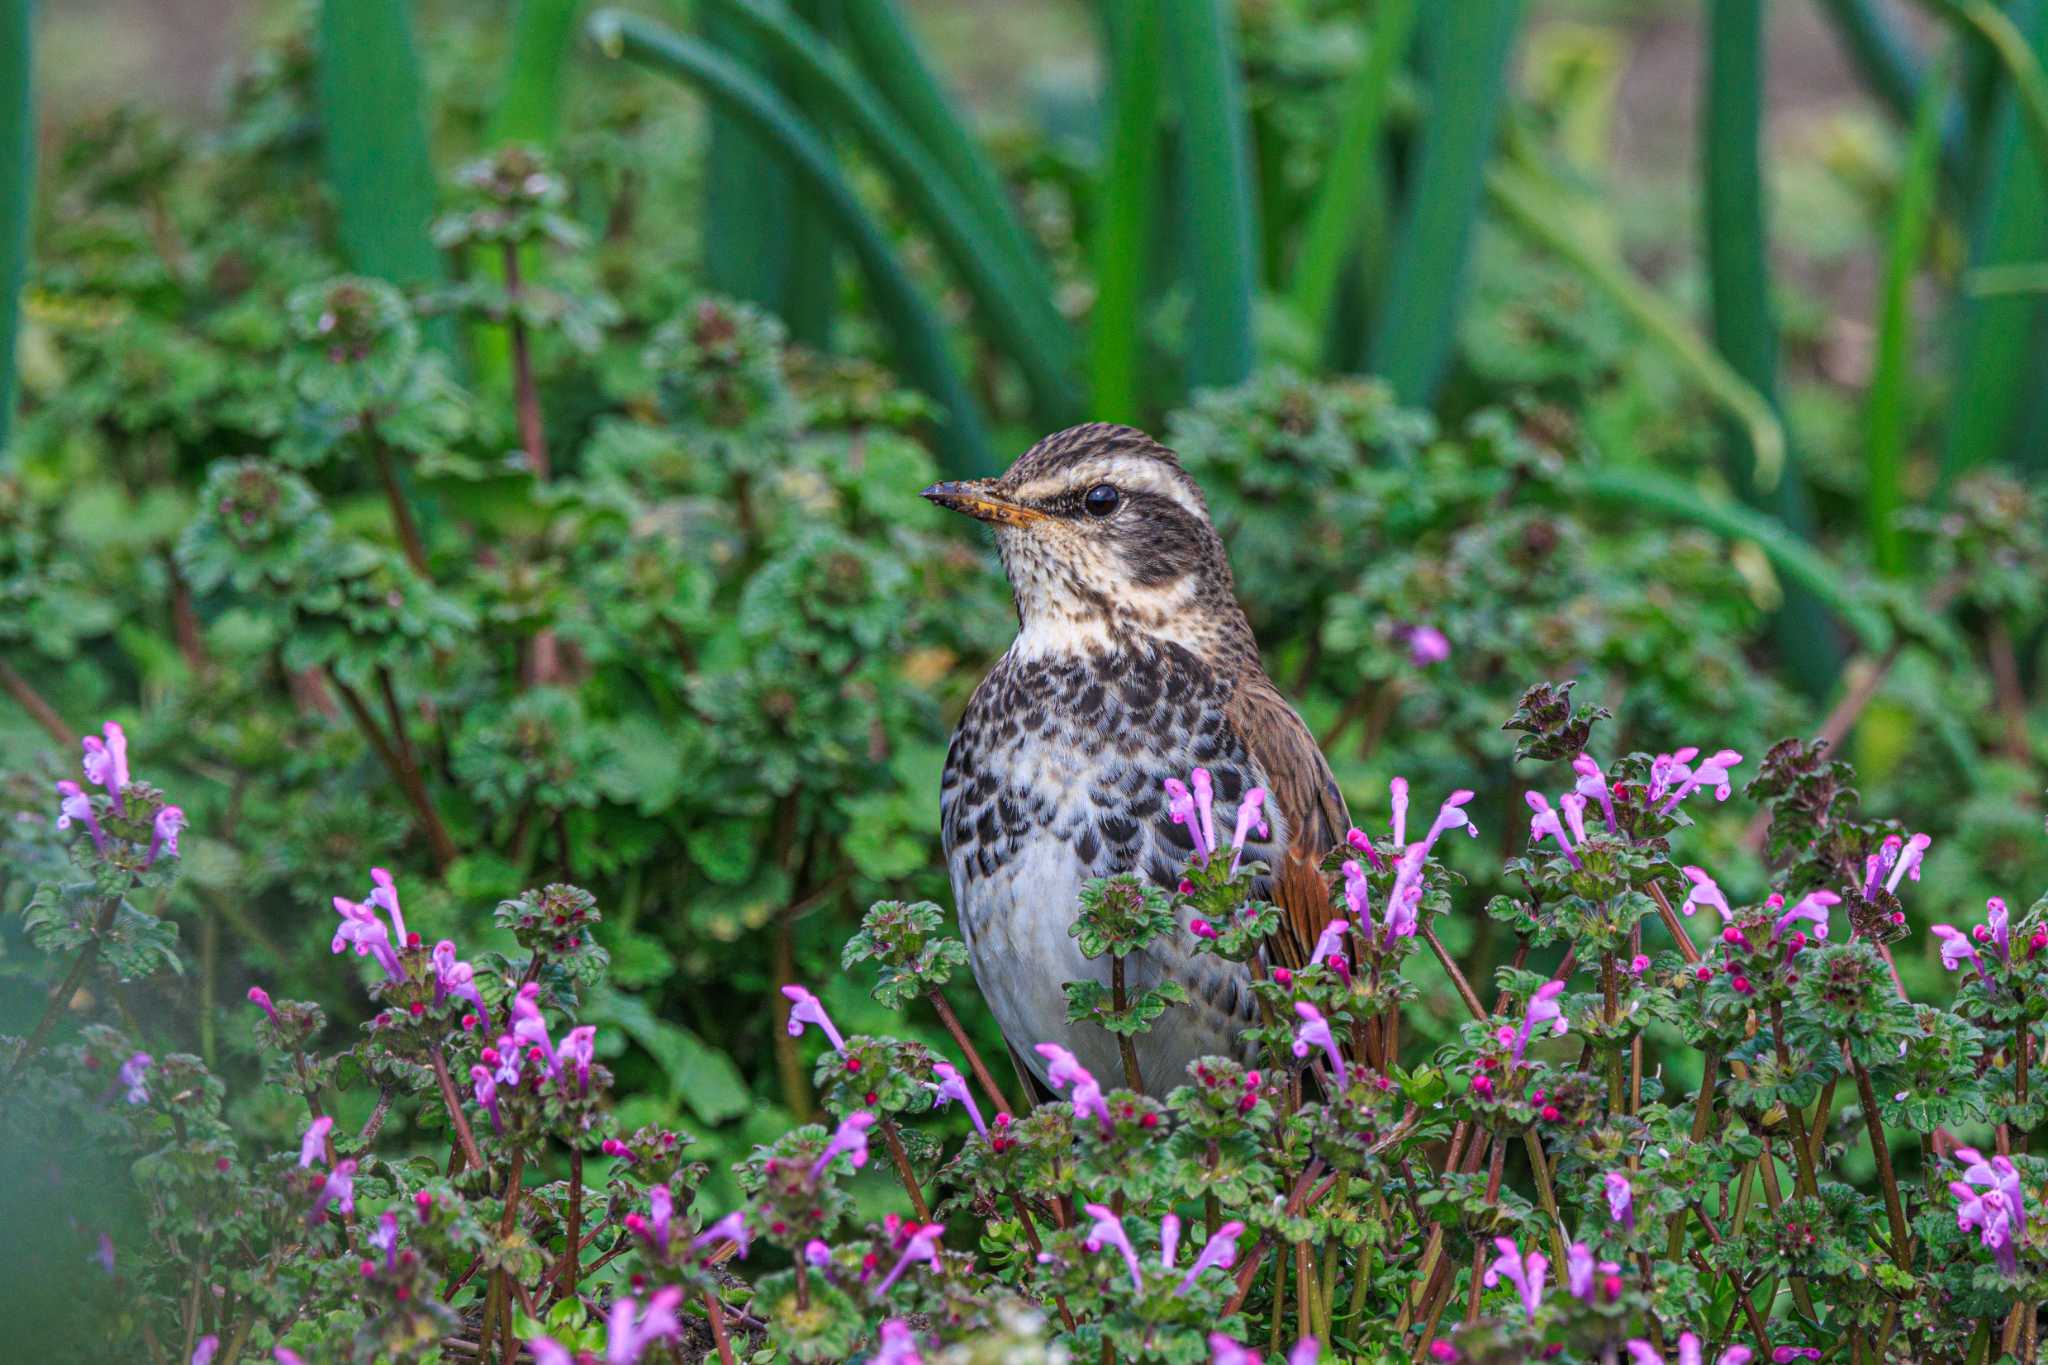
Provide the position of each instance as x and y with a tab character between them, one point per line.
1133	663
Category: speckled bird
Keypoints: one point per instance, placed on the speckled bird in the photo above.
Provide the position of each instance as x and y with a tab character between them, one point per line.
1133	663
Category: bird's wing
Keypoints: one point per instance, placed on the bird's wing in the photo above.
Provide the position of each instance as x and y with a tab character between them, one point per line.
1304	793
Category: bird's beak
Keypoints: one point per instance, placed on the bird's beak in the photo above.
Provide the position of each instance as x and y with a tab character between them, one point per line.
978	499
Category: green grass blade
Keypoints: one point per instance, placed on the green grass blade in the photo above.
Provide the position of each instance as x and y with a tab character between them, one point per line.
1745	326
1541	214
920	341
1129	190
1885	58
888	54
1998	364
2021	59
1353	180
1892	377
1803	568
1021	321
1470	45
814	255
1221	256
17	183
374	128
749	197
530	104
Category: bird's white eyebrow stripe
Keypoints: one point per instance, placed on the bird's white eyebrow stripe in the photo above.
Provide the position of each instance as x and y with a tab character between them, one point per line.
1132	473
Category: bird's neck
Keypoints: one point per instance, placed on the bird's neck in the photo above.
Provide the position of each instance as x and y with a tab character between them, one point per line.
1207	624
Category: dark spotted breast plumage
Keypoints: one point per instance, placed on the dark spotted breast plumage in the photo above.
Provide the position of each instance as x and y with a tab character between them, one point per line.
1132	664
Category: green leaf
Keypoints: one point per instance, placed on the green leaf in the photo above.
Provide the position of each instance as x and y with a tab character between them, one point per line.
699	1075
1216	199
17	183
1128	190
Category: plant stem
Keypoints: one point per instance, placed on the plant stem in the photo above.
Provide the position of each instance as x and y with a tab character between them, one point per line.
902	1160
406	776
715	1312
974	1062
1464	987
401	511
1126	1046
68	988
1902	1250
40	711
463	1137
531	433
572	1257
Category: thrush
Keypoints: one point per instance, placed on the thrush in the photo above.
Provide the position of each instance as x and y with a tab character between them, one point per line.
1133	663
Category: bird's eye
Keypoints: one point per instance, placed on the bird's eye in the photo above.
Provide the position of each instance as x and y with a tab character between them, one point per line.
1101	500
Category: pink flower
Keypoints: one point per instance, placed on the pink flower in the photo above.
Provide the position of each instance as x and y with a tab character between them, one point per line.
1193	803
1543	1009
1574	807
260	998
1224	1351
1331	940
74	805
384	895
804	1008
1357	895
313	1146
1065	1071
1581	1269
1545	824
457	979
529	1026
106	761
1992	1201
1220	1252
1315	1032
362	930
1908	864
731	1228
1249	817
1592	784
627	1339
1357	838
1813	907
816	1254
1397	794
1621	1200
340	1185
133	1074
485	1086
1711	770
1525	1273
1108	1230
1426	645
849	1139
953	1087
204	1350
898	1345
1704	892
163	835
1642	1353
923	1246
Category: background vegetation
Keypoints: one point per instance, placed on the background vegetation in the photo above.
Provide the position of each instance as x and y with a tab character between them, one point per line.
487	447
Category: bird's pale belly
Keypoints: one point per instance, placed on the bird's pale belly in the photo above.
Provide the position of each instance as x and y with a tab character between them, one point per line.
1016	921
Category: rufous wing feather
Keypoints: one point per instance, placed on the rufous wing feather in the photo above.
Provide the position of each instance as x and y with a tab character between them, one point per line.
1304	794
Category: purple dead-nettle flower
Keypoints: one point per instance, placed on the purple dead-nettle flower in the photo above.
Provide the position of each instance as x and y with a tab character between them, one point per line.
204	1350
507	1059
340	1186
631	1329
1307	1351
579	1047
1250	816
362	930
1544	824
1064	1071
655	1227
1193	803
1224	1351
850	1139
1543	1009
384	894
1592	784
313	1146
385	1238
1169	1241
1358	839
1358	896
1404	897
1667	771
1956	949
548	1351
1397	796
1991	1201
260	998
283	1355
1219	1252
486	1086
74	804
105	1253
1812	907
1525	1273
456	979
898	1345
1426	645
1995	934
529	1026
923	1246
953	1087
163	834
816	1254
1621	1200
1711	771
1573	807
1705	891
731	1228
1879	863
805	1008
106	761
1449	816
1582	1271
1641	1352
1908	865
1331	940
133	1074
1108	1230
1315	1032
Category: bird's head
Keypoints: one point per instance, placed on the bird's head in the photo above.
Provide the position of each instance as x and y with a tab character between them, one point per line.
1101	531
